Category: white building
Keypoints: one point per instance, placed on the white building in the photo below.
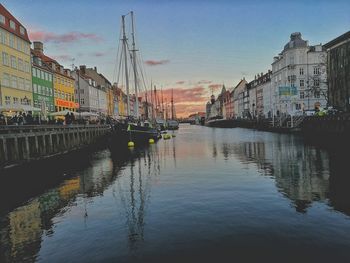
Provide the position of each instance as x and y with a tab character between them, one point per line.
89	97
298	78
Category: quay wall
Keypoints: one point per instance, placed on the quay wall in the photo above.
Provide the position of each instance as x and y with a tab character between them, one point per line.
22	144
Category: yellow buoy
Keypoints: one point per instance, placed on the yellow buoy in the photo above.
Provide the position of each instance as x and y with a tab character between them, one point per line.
131	144
151	141
166	136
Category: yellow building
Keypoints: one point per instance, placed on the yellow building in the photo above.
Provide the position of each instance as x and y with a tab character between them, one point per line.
15	66
110	101
63	81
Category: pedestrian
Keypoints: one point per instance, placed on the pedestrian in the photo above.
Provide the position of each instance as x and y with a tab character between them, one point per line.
72	117
67	118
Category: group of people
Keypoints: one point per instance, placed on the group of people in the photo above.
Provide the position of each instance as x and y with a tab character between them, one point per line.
20	118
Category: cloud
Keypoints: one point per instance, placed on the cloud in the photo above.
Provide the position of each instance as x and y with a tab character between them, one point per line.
156	62
180	82
62	57
98	54
70	37
204	82
215	87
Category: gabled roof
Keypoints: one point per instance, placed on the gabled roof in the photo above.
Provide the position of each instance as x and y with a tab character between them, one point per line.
8	16
343	37
43	57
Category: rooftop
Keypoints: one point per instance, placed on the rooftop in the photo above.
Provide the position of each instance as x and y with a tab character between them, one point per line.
17	30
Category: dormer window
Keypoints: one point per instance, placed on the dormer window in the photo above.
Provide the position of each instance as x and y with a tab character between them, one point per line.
2	19
21	30
12	25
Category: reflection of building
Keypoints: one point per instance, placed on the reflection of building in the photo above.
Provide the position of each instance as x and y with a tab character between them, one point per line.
15	70
338	57
301	172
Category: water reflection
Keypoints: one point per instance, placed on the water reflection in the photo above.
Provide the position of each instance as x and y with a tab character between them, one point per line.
22	230
303	173
198	190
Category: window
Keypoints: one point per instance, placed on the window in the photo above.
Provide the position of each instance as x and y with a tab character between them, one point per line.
42	75
298	106
12	25
316	71
301	83
302	94
82	101
5	59
11	40
316	82
13	62
2	36
301	71
15	100
5	80
317	94
14	82
7	100
28	86
20	65
21	83
2	19
50	77
26	67
19	44
21	30
35	88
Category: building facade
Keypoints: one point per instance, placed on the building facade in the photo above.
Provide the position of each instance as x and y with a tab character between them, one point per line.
63	82
105	103
238	98
298	78
338	71
43	91
15	69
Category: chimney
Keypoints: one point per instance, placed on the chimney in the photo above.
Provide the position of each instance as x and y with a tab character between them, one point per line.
95	68
38	47
83	69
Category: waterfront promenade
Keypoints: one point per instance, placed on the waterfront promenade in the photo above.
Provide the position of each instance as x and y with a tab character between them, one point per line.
25	143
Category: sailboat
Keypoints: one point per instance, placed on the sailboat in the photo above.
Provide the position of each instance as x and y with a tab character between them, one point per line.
132	130
172	123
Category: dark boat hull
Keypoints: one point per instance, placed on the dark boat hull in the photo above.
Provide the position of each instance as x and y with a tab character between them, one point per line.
123	133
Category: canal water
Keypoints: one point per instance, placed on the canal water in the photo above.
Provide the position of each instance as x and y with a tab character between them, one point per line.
207	195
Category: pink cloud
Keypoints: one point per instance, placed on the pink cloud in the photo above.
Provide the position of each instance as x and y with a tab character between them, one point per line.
156	62
62	57
204	82
62	38
98	54
215	87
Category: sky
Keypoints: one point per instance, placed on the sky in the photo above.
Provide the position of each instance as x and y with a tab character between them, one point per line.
191	46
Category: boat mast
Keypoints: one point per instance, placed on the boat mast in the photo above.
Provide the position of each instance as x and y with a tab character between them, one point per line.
161	92
172	104
126	66
134	64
